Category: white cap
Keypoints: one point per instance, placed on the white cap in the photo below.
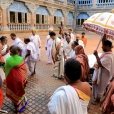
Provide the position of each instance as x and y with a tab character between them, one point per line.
50	29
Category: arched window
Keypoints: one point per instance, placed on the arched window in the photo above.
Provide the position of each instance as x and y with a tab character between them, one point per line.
42	15
70	19
18	13
58	17
81	18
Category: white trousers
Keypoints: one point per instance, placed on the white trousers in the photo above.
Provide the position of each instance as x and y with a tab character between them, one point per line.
31	65
49	59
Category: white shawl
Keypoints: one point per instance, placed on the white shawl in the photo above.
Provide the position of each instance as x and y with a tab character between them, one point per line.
107	61
65	100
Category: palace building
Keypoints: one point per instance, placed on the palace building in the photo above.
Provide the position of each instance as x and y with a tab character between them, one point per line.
86	8
24	15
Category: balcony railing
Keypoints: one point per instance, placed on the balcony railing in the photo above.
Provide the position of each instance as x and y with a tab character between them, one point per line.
105	5
97	5
42	26
69	26
56	26
19	26
80	6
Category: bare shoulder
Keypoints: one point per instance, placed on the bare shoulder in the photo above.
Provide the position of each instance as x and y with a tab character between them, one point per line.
86	88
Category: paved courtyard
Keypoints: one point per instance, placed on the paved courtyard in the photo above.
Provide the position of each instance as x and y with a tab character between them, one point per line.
41	86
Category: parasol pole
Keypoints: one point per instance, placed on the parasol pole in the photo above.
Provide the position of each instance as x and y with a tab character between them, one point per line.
99	42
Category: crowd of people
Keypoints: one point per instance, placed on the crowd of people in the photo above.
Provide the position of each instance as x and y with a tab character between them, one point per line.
67	53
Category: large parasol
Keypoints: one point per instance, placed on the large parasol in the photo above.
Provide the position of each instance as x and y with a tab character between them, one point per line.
101	23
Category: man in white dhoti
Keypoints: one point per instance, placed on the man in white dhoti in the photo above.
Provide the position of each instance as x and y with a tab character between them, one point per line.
31	56
48	47
67	46
71	34
37	42
104	70
57	56
80	42
75	96
18	42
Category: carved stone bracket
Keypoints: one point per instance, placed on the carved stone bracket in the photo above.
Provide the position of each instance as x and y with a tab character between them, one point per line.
32	7
4	4
65	13
51	10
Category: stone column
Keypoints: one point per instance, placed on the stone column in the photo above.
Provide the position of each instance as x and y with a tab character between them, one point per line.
32	7
65	22
51	20
94	3
4	20
32	20
65	13
51	12
4	5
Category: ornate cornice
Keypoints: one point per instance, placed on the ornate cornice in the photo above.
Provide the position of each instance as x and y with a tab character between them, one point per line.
4	4
32	7
51	10
65	13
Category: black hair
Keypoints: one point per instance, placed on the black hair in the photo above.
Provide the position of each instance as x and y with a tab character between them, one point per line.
70	29
15	50
27	39
12	34
3	38
52	33
72	69
68	35
83	32
76	43
107	43
65	33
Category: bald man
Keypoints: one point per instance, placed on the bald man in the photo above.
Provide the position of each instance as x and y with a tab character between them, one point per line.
80	42
37	42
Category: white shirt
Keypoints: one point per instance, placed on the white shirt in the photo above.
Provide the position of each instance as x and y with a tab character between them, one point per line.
72	36
72	53
67	48
37	42
33	55
48	36
80	42
19	43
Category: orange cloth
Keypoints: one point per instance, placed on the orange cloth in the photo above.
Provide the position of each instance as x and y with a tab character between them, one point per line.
84	40
1	98
83	59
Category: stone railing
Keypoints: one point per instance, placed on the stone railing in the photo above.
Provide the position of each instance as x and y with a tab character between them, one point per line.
56	26
19	26
80	6
97	5
105	5
69	26
42	26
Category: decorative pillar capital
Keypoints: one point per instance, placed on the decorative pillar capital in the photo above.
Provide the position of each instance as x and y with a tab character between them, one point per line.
32	7
51	10
4	4
65	13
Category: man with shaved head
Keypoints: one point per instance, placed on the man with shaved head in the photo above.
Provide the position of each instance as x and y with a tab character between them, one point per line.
80	42
37	42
